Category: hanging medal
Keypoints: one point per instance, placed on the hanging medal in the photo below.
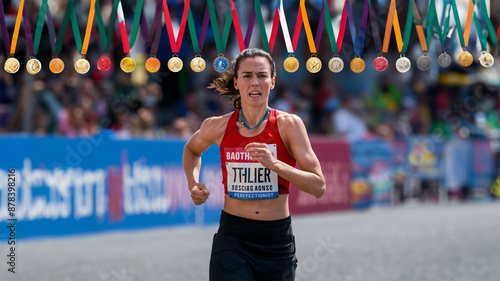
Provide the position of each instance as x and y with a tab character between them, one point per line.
403	64
358	37
485	59
56	64
291	64
381	63
423	62
33	66
444	59
313	64
335	64
127	64
465	58
198	64
175	63
152	63
12	65
104	62
82	65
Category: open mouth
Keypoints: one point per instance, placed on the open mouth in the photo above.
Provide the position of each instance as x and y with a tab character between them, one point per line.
254	94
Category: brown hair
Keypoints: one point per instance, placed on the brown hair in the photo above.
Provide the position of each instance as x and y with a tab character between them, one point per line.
225	84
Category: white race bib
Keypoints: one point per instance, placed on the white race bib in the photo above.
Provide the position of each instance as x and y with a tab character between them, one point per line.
248	179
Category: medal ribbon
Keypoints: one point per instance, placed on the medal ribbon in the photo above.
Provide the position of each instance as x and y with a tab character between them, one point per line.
221	44
358	38
290	46
175	44
123	29
481	31
237	28
69	15
418	26
319	29
343	25
403	42
388	26
156	30
192	32
464	37
15	35
135	24
268	46
39	27
432	19
375	28
27	31
106	39
5	31
204	27
329	28
88	30
307	27
251	24
52	31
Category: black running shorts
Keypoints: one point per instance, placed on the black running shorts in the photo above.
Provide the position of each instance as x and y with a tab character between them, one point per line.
245	249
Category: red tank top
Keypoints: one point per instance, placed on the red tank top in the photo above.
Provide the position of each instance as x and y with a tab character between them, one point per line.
249	179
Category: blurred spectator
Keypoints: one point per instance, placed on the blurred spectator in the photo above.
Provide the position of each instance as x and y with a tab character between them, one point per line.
347	123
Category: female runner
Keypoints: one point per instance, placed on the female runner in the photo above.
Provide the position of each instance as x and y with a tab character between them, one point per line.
259	150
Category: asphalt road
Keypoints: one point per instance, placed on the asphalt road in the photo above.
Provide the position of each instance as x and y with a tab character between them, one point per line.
444	243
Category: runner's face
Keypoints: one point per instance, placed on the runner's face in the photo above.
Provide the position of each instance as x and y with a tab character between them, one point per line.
254	80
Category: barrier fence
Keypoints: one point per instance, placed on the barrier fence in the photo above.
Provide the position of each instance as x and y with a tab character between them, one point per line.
66	186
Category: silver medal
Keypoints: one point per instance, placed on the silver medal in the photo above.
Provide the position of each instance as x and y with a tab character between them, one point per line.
486	60
444	60
336	64
403	64
424	63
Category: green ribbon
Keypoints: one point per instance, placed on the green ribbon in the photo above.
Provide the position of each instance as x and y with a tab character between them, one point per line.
457	21
192	31
408	26
106	39
220	45
483	34
136	22
70	13
39	26
262	27
329	28
432	19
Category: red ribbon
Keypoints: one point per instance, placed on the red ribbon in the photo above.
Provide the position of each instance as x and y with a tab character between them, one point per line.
175	44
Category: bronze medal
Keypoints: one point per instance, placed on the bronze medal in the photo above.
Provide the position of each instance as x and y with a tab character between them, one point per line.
291	64
56	65
11	65
153	64
357	65
198	64
175	64
313	64
127	64
33	66
465	59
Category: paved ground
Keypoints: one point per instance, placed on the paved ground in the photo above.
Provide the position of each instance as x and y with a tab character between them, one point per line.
444	243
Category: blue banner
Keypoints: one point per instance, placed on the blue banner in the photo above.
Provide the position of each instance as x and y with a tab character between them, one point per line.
66	186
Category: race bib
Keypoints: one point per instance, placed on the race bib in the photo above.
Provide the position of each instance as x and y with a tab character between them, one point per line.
248	179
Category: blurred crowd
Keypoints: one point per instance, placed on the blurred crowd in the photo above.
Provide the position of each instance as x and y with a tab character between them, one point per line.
452	101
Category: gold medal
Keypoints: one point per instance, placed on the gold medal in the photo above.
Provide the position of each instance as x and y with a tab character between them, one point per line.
33	66
11	65
465	59
175	64
153	64
82	66
127	64
56	65
336	64
291	64
357	65
313	64
198	64
486	60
